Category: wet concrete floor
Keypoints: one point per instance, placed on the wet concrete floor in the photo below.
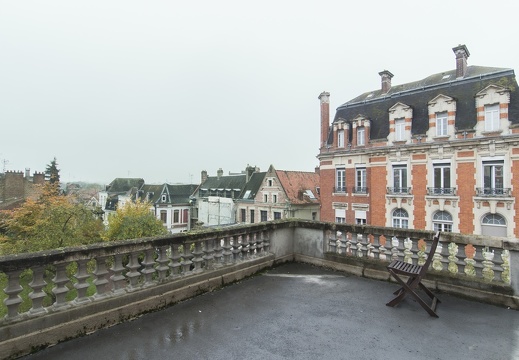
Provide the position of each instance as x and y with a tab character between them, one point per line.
297	311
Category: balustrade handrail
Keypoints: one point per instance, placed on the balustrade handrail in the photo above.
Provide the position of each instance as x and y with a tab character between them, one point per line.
498	192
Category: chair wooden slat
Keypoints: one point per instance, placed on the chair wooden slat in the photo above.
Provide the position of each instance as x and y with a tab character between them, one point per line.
415	273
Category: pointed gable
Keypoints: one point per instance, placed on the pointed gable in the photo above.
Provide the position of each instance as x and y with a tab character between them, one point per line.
300	187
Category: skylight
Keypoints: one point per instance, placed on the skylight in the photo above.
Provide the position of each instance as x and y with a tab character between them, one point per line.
310	194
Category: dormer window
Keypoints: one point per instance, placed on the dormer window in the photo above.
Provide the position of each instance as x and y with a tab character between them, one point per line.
441	124
340	138
492	117
399	129
492	106
361	133
400	123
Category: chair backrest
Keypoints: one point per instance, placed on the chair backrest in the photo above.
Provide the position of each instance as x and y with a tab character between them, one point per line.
434	245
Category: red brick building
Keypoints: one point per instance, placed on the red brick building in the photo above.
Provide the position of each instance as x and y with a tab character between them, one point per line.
440	153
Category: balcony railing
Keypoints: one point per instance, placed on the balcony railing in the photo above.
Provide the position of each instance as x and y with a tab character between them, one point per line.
399	190
441	191
359	190
110	282
493	192
339	189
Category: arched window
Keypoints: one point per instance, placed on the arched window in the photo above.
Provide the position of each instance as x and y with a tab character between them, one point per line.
493	225
442	221
400	219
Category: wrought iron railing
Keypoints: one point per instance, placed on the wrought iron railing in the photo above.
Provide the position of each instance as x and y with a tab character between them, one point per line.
441	191
399	190
493	192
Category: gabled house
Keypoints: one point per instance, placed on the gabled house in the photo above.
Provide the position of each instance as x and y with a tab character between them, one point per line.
170	203
279	194
215	197
440	153
117	193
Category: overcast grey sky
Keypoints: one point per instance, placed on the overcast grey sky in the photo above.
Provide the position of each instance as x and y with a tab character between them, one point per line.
164	89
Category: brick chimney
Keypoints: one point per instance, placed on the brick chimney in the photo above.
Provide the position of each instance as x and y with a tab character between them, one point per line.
203	177
385	77
219	173
462	54
324	97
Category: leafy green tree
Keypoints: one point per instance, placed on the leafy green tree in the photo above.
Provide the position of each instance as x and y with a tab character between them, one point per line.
53	221
133	220
53	172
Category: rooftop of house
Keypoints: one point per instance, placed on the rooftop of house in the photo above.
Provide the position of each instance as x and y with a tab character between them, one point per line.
121	185
374	105
300	186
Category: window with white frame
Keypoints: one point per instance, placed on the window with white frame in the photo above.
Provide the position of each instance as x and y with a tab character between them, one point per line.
400	179
492	117
442	178
340	180
360	180
274	198
400	219
399	129
340	215
265	198
493	225
442	221
441	124
263	215
361	132
340	138
493	177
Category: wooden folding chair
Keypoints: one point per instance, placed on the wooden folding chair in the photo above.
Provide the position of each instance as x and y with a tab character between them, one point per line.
415	274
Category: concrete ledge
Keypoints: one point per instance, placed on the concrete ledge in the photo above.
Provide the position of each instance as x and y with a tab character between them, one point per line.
28	335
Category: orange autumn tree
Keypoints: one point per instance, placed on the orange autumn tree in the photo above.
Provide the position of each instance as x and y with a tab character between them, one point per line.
52	221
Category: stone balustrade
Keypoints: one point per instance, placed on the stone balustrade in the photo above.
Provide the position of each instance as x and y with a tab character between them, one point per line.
54	295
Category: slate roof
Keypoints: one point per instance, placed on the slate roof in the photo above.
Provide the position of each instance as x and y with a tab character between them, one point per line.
374	105
121	185
297	185
253	186
180	194
224	182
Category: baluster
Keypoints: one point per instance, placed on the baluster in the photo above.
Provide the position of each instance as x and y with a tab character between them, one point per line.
505	275
244	247
437	258
453	259
488	272
331	238
197	260
259	244
186	261
375	247
175	264
60	289
252	245
351	243
266	242
461	259
421	255
366	245
118	279
13	289
227	253
385	252
149	269
235	248
82	284
163	263
394	248
102	280
498	264
209	253
362	248
408	254
470	267
37	294
218	252
133	274
478	257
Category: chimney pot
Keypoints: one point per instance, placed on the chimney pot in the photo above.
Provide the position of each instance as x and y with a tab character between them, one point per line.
462	53
385	78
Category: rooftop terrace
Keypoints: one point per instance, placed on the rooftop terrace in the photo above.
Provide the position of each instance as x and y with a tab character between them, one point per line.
295	309
299	311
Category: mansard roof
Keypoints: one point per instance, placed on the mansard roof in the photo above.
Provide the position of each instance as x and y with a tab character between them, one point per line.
253	185
375	104
232	182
